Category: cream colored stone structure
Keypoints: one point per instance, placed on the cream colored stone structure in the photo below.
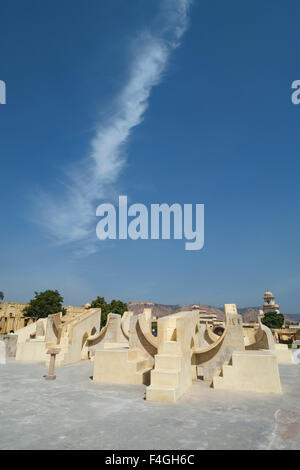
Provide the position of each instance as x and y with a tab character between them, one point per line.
261	338
250	371
171	377
113	335
129	364
170	362
188	347
231	367
283	354
208	361
12	317
69	334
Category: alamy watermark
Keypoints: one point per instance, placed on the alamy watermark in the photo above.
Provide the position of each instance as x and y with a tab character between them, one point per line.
296	94
163	222
2	92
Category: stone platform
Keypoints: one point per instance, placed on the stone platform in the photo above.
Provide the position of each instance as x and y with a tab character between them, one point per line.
73	412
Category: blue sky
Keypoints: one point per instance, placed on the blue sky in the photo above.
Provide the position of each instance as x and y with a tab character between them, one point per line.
219	128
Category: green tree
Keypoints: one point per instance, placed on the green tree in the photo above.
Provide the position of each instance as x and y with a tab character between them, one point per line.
116	306
273	320
1	295
44	304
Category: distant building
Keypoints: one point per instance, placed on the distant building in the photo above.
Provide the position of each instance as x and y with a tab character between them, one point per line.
204	315
269	303
12	318
207	317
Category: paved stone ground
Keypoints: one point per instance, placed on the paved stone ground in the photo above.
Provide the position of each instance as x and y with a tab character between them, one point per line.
73	412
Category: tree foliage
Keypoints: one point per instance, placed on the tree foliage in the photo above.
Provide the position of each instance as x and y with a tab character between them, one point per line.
116	306
44	304
1	295
273	320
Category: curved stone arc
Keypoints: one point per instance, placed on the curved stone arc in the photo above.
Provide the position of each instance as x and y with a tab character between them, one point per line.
145	336
210	359
209	335
212	347
57	326
98	337
125	324
263	337
66	332
146	331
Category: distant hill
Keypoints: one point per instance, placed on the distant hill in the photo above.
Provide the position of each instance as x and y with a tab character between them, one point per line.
158	310
249	314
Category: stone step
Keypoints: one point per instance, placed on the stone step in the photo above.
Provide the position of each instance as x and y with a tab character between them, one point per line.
135	355
168	361
165	394
165	377
169	347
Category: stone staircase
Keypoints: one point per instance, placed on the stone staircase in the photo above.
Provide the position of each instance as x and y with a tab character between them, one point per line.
165	378
172	373
210	363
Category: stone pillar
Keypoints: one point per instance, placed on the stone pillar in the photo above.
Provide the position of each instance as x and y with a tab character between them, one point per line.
52	353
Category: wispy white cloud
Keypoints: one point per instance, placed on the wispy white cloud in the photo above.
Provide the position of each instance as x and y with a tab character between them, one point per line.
71	218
